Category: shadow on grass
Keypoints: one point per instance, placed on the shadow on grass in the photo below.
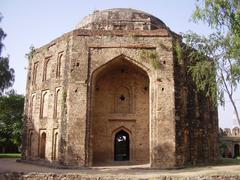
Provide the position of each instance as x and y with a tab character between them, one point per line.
10	155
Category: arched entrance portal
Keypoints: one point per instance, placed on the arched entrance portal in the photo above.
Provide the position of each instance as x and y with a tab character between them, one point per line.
121	146
120	100
236	150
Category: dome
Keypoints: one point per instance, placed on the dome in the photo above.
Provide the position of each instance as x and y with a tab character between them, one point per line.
121	19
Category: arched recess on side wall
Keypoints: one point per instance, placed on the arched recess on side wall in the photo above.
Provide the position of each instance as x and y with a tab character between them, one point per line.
55	146
42	148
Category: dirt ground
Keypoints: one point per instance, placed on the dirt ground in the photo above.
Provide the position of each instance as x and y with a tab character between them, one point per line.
8	165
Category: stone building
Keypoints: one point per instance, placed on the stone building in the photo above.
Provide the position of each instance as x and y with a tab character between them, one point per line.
112	91
230	142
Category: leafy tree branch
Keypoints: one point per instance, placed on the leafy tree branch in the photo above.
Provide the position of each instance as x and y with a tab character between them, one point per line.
216	71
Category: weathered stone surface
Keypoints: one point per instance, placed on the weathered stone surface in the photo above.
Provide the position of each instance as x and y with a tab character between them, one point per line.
120	19
92	83
72	176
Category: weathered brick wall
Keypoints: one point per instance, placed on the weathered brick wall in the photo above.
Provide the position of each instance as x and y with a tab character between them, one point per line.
170	125
48	117
82	55
97	50
196	120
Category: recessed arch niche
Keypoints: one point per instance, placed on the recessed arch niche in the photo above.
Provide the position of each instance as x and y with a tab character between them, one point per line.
42	150
120	97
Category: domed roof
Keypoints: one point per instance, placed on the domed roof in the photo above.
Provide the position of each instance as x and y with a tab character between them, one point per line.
121	19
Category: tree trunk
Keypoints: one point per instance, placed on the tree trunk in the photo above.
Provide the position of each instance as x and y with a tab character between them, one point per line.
235	109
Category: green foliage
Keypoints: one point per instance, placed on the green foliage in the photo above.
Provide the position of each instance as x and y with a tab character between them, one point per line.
217	54
227	161
11	110
223	146
30	55
204	75
64	96
10	155
2	36
6	73
219	14
179	51
132	35
223	16
152	56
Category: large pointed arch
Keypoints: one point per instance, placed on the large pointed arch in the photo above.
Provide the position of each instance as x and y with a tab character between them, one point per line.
120	80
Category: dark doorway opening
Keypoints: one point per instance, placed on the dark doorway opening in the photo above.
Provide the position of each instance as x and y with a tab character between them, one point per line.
236	150
121	146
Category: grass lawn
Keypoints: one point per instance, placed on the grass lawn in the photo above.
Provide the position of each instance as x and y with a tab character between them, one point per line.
10	155
229	161
221	162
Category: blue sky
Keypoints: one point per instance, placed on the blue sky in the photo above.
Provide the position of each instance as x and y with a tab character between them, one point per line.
37	22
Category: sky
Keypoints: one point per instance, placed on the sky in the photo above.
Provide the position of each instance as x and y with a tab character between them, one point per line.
37	22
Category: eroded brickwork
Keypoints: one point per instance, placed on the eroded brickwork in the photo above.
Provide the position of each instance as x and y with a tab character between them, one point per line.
196	120
111	77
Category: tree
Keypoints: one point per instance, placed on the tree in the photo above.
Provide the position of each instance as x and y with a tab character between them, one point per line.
11	111
216	63
6	73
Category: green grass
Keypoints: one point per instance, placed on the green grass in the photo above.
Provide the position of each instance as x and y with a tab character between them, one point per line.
220	162
229	161
10	155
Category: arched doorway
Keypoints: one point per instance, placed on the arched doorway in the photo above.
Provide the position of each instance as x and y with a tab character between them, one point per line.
119	98
43	145
121	146
236	150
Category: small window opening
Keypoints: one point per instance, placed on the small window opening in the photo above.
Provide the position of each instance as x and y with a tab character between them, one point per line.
122	98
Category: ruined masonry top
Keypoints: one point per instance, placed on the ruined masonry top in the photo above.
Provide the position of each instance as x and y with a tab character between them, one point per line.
121	19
